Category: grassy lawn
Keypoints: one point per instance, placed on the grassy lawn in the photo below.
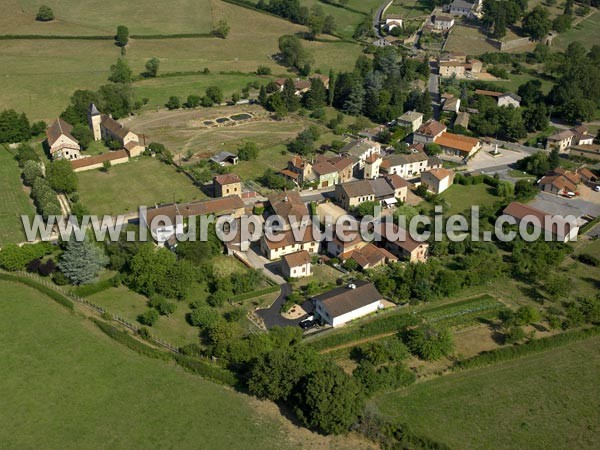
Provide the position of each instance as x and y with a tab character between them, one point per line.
67	385
546	400
468	40
512	85
462	197
125	187
586	32
13	200
408	9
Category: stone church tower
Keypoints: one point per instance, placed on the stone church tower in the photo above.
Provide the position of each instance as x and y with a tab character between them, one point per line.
94	119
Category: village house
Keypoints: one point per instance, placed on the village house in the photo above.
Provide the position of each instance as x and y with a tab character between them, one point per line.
398	241
296	265
399	185
429	132
241	240
371	256
447	69
560	182
442	22
458	144
343	248
154	218
289	206
474	66
437	180
346	303
326	174
372	165
299	170
226	185
576	136
558	228
502	99
411	120
406	165
361	149
587	176
289	241
393	21
344	166
61	143
465	9
384	192
351	194
459	57
450	103
106	128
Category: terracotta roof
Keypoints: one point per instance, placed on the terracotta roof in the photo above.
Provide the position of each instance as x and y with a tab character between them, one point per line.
298	162
396	181
324	168
227	178
488	93
519	211
345	299
341	162
397	236
301	85
441	173
371	255
288	203
297	259
458	142
58	128
431	128
99	159
372	158
290	238
290	174
587	173
558	181
218	206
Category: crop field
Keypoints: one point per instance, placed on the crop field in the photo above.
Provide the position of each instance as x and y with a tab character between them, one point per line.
64	383
125	187
545	400
13	200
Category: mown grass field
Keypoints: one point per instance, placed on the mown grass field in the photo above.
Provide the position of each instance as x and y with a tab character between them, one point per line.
546	400
13	200
408	9
67	385
462	197
125	187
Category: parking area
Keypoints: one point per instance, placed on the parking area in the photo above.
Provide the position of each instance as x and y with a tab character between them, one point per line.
587	203
484	161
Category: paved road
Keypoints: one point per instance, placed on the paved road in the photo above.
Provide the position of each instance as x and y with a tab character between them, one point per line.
377	18
272	315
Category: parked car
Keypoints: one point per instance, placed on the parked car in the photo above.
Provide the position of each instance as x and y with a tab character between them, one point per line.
597	188
307	324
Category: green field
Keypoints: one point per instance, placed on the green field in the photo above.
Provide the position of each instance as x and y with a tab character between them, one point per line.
586	32
462	197
125	187
546	400
39	76
67	385
13	200
95	17
408	9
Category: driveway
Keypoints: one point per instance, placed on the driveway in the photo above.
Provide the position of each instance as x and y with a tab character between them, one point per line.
271	316
378	17
258	261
